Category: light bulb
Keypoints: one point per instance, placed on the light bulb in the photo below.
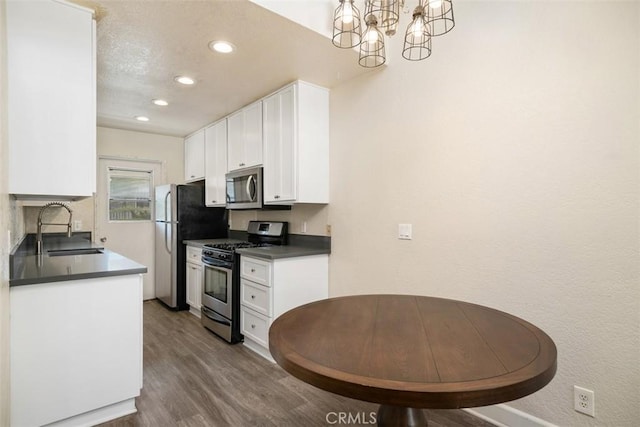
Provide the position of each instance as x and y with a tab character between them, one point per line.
347	12
372	36
435	4
417	28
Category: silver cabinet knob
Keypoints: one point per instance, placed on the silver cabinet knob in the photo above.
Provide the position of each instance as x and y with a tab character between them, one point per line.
253	326
253	297
103	239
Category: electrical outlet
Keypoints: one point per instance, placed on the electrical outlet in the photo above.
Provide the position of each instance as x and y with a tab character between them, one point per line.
584	401
303	228
328	230
404	231
77	225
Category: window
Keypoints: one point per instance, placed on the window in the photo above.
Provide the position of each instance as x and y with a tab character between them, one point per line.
130	195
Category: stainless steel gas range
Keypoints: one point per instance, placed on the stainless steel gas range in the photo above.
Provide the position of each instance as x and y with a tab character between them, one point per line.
221	277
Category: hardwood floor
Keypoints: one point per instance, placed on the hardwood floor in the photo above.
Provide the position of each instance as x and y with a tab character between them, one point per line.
192	378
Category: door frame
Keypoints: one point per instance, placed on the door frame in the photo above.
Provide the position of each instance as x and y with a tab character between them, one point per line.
159	179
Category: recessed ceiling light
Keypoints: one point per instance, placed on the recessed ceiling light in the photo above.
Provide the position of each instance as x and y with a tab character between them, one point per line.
142	118
221	46
160	102
185	80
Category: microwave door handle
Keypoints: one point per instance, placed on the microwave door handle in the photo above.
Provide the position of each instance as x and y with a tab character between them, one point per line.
251	194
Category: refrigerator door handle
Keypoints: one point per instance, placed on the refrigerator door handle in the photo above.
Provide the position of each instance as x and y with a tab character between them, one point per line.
166	242
166	203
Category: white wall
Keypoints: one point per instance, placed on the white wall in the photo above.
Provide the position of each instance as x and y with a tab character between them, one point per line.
144	146
513	151
5	221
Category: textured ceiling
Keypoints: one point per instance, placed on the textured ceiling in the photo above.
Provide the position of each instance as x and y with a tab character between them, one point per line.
143	44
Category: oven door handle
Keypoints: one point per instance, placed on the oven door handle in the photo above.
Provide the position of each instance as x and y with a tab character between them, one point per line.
212	315
217	264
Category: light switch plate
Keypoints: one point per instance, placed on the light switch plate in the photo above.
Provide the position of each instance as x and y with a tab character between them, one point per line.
404	231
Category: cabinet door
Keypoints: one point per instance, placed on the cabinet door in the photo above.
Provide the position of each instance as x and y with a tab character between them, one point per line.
271	176
51	112
235	141
280	166
215	163
245	137
194	285
253	134
194	157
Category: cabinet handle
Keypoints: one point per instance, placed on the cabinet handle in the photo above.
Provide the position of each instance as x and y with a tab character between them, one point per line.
253	297
276	197
253	326
253	270
213	201
241	164
193	176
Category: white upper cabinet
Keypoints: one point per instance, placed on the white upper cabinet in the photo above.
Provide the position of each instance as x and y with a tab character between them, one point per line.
245	137
51	114
296	145
194	157
215	163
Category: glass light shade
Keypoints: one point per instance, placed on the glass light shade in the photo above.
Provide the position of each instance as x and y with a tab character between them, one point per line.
346	25
372	52
417	39
439	16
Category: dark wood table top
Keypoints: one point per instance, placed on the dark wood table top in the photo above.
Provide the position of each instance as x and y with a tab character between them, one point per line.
413	351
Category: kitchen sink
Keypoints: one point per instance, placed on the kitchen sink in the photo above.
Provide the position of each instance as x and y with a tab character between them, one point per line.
83	251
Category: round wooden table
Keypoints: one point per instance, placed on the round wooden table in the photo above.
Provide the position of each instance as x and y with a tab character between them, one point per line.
409	352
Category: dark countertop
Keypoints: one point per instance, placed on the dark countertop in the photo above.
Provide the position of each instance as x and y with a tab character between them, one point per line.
201	243
29	269
288	251
298	246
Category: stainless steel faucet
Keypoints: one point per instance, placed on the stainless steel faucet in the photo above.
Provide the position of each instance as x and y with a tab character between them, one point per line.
40	223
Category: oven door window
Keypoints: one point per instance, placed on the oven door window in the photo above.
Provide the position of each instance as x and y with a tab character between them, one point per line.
216	283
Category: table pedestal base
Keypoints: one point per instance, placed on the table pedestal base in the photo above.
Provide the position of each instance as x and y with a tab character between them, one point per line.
398	416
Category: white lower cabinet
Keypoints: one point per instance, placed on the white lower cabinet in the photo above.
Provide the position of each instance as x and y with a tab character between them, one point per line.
194	279
76	351
269	288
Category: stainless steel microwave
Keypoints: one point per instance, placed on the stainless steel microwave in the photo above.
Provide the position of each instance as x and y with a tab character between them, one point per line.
244	189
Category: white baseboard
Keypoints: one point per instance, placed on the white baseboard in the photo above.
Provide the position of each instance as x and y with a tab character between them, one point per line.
98	416
258	349
506	416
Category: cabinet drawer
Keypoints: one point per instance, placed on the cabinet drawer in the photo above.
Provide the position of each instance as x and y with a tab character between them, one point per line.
194	255
256	297
255	326
256	270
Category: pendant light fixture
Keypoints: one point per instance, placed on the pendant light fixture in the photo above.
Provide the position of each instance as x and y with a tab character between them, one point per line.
417	40
346	25
440	16
372	44
430	18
